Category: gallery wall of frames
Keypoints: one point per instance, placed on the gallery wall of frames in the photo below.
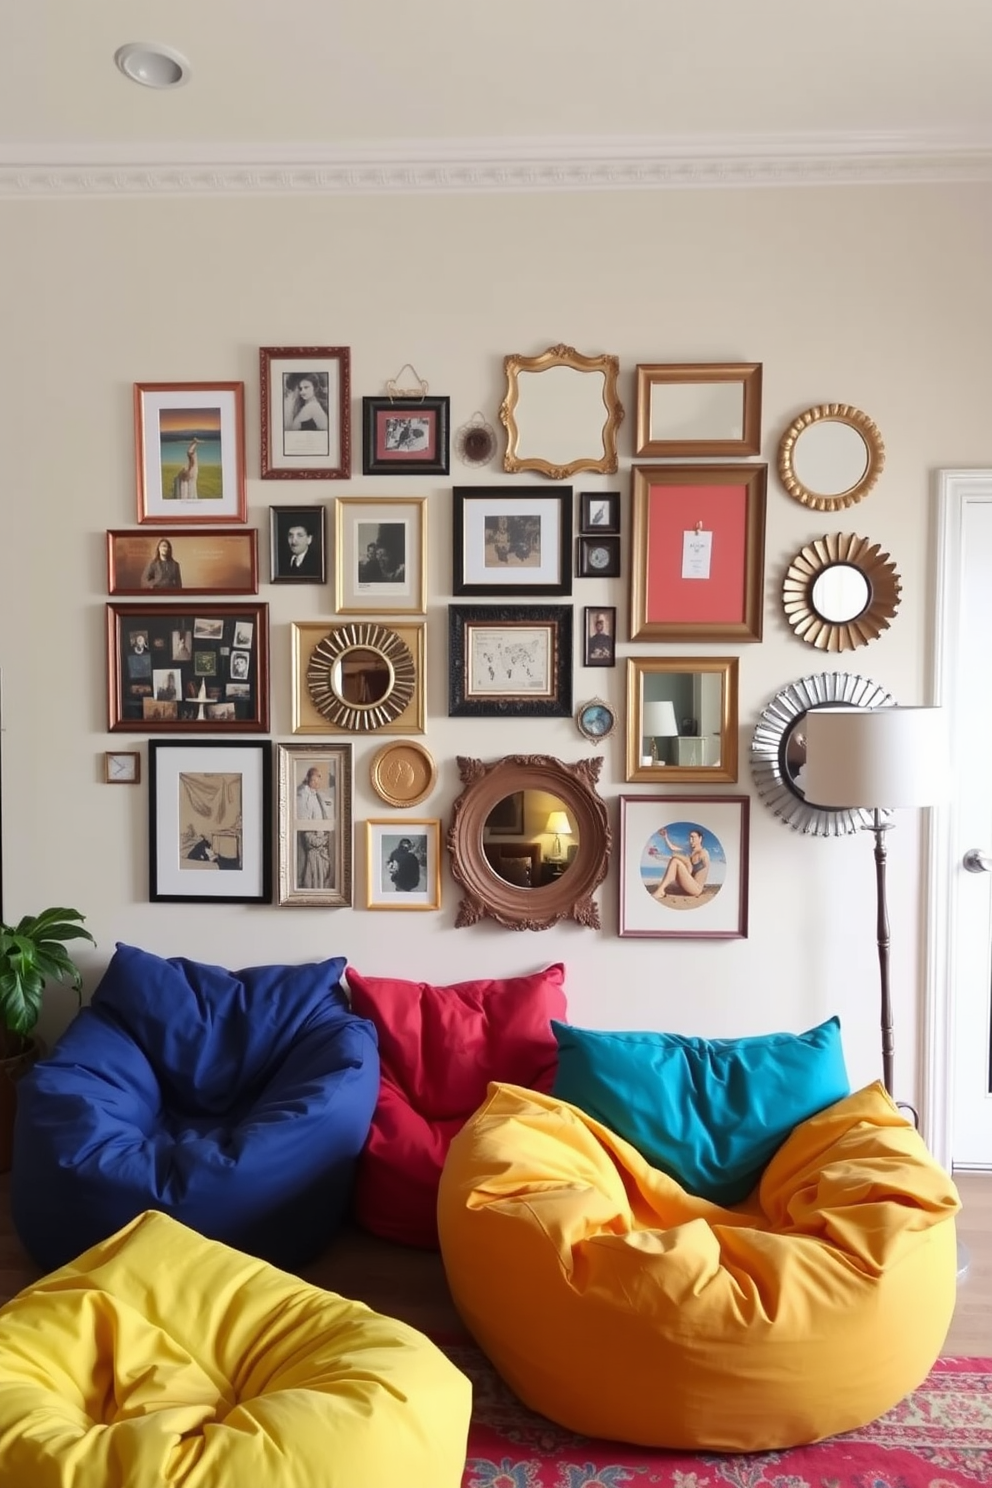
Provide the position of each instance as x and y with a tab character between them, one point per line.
235	815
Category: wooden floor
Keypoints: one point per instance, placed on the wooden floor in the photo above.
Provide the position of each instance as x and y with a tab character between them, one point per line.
409	1284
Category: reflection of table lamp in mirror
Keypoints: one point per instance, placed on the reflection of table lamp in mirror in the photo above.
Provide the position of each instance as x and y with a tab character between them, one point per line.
559	824
658	722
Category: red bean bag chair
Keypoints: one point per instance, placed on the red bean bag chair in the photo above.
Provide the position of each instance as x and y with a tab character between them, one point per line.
439	1047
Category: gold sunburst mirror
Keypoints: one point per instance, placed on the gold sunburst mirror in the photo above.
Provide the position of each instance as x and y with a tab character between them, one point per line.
840	592
830	456
361	677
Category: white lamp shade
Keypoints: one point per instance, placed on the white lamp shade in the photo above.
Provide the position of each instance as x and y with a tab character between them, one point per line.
559	823
876	758
658	720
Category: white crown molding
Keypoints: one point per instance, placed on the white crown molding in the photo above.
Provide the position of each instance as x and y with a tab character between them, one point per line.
497	166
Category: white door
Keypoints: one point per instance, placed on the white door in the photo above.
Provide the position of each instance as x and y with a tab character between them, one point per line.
959	1031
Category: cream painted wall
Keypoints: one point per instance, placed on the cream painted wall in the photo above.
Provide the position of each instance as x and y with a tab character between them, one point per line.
876	297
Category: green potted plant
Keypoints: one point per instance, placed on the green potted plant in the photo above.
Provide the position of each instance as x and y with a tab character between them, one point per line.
32	953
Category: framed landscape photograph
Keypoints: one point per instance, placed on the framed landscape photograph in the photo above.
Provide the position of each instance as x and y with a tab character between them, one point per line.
403	863
684	866
380	550
189	670
187	561
210	821
405	436
511	540
297	545
315	856
698	552
189	445
306	412
509	661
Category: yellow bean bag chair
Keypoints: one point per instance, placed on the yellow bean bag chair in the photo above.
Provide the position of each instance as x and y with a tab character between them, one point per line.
163	1358
618	1305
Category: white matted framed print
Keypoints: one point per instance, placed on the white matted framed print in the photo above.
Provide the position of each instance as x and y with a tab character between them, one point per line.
684	866
189	448
210	821
306	412
315	857
403	863
510	540
380	554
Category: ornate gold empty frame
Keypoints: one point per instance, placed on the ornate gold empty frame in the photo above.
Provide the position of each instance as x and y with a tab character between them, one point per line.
830	456
361	677
840	592
561	412
520	907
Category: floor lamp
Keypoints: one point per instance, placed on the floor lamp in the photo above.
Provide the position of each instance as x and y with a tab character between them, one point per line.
877	759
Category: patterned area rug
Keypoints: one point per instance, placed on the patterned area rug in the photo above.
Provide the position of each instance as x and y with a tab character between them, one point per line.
940	1436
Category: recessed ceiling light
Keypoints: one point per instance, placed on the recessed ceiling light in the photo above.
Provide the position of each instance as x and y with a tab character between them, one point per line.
152	65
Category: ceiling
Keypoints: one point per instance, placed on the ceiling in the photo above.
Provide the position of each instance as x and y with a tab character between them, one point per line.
614	92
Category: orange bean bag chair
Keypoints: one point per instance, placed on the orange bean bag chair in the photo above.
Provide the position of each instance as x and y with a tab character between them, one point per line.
619	1305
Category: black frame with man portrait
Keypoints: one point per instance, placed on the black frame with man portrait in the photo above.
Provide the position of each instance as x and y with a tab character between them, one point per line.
282	519
405	436
594	655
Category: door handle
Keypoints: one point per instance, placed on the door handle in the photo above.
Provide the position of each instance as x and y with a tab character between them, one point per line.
976	861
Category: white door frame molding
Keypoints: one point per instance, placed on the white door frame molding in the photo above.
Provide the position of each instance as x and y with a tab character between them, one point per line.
955	491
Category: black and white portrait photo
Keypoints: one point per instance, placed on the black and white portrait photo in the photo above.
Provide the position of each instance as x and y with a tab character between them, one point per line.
305	416
296	536
381	552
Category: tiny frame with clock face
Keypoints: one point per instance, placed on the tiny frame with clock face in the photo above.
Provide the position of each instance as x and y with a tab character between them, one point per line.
122	767
595	720
511	541
598	557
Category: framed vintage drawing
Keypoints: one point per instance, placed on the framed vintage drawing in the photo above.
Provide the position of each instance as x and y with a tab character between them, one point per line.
599	511
191	560
698	408
698	552
511	540
684	866
189	446
188	669
306	412
598	557
509	661
599	636
210	821
405	436
314	810
359	677
403	863
297	545
380	555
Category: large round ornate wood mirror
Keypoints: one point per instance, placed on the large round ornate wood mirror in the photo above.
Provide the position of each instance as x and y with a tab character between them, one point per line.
778	751
830	456
840	592
511	839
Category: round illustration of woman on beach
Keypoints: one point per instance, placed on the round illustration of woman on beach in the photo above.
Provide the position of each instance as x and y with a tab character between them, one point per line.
683	865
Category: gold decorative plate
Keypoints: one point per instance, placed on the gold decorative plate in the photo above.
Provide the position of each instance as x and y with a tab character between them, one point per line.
403	774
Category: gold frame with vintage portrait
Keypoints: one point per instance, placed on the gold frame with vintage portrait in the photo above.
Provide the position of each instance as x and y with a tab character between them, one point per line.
307	635
380	596
556	358
696	669
701	396
379	832
316	858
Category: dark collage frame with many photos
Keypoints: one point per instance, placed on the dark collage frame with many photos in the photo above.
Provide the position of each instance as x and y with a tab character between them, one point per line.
199	668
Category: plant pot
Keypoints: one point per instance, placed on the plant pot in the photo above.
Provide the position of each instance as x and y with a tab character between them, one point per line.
17	1054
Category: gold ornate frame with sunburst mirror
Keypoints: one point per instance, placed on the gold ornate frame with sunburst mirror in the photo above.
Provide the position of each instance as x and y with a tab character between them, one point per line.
358	678
561	412
840	592
830	456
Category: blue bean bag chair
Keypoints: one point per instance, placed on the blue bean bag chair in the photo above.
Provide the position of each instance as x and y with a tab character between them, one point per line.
236	1102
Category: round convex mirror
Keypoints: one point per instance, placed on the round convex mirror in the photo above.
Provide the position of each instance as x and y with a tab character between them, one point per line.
530	839
840	593
830	456
361	676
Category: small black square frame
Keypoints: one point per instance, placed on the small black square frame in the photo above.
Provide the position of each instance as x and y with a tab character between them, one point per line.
599	511
598	557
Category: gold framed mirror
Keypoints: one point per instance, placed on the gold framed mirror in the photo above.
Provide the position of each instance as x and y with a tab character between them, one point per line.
840	592
830	456
529	841
358	678
682	719
561	412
